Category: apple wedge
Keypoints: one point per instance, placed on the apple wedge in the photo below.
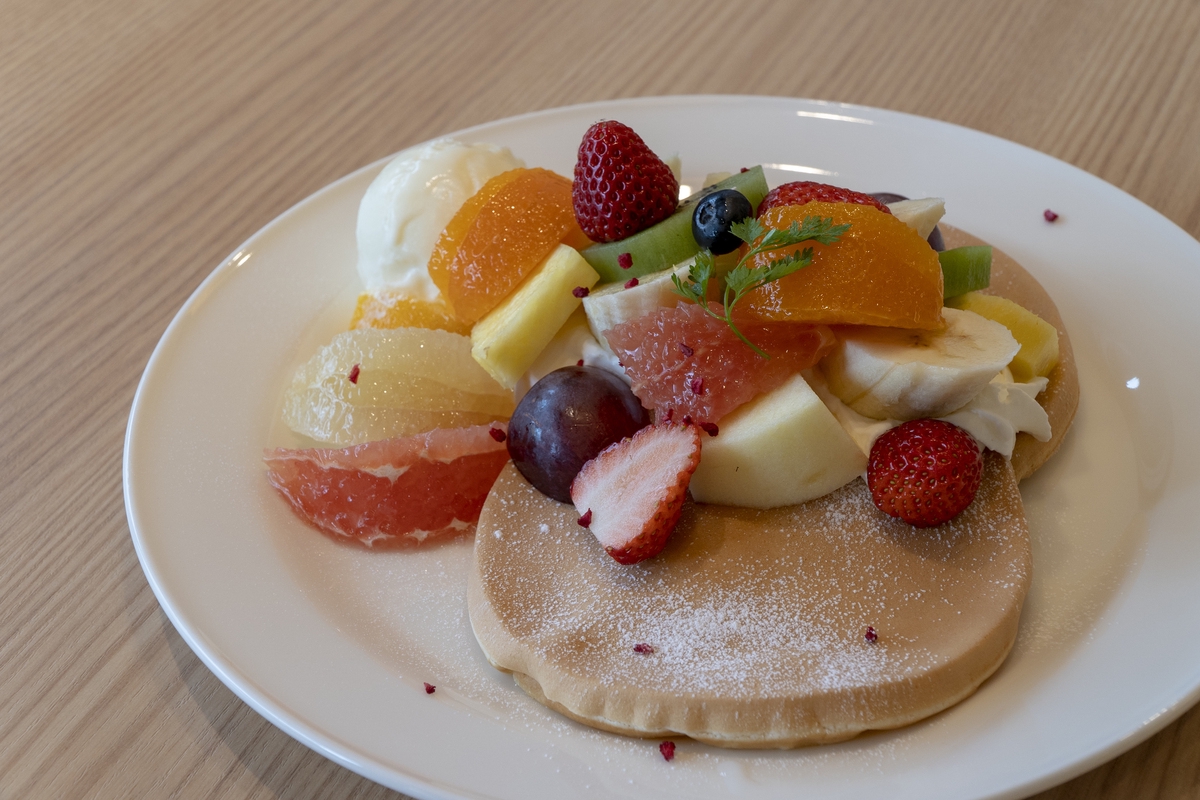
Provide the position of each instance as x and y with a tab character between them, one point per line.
782	448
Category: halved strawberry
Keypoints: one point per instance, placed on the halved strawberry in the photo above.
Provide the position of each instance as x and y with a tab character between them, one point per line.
632	493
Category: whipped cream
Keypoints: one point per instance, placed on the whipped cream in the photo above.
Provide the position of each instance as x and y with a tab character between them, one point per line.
1001	410
411	201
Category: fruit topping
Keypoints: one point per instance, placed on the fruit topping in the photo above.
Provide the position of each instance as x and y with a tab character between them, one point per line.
1038	355
625	261
566	419
799	193
509	338
668	750
781	448
635	490
621	187
430	688
500	235
670	242
731	373
643	648
755	268
585	519
388	309
713	217
498	434
410	380
893	373
870	635
965	269
917	215
1049	215
632	282
354	372
395	492
880	272
925	472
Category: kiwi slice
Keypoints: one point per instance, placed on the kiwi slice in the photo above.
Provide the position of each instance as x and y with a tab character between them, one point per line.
669	242
965	269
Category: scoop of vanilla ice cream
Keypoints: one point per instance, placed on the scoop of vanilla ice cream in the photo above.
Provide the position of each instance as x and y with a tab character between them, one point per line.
410	202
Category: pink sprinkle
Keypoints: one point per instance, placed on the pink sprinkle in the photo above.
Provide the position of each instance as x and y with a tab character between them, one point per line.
697	385
745	169
632	282
497	434
710	428
642	647
353	376
625	261
668	750
579	363
429	688
687	419
1049	215
586	519
687	351
670	413
870	635
580	292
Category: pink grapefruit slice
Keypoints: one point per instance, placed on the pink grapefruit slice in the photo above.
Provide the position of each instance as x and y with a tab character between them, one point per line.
393	493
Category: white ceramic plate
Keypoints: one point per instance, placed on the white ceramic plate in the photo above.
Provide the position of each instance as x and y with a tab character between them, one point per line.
332	644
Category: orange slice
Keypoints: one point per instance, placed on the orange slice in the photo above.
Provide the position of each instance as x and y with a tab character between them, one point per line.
499	236
881	272
389	310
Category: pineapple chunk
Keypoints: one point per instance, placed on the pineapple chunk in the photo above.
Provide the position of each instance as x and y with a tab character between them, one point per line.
508	339
1039	340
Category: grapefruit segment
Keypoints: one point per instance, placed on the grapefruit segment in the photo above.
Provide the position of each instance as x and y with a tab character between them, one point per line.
881	272
393	493
684	362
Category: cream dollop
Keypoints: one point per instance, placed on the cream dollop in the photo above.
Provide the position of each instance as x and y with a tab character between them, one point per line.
995	416
411	201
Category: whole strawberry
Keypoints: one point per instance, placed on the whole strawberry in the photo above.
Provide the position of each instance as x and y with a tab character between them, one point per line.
925	472
620	187
800	192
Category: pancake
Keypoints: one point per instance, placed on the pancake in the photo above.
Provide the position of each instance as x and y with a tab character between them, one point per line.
754	619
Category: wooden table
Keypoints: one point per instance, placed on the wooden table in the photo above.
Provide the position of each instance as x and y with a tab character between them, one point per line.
140	142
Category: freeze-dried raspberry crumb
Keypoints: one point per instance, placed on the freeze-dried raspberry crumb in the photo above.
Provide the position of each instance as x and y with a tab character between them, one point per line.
687	419
1049	215
668	750
430	688
586	519
497	434
687	351
642	647
580	292
632	282
353	376
669	415
870	635
579	363
697	385
625	261
710	428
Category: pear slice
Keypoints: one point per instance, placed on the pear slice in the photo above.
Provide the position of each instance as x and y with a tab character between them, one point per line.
921	215
782	448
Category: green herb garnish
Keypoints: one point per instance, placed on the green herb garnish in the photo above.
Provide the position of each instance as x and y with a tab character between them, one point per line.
742	279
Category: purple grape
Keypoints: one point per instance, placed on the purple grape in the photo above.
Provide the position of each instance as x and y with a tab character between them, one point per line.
565	420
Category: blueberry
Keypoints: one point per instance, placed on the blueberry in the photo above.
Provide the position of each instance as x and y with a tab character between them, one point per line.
713	217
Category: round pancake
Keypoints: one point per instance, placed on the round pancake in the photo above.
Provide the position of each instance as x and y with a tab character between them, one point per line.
757	619
1061	398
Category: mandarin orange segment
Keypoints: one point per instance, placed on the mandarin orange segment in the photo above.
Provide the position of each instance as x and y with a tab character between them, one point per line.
499	236
390	310
881	272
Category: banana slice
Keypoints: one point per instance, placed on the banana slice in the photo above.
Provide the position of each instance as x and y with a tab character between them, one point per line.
889	373
613	304
921	215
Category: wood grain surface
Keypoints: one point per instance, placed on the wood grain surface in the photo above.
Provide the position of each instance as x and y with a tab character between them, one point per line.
141	142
